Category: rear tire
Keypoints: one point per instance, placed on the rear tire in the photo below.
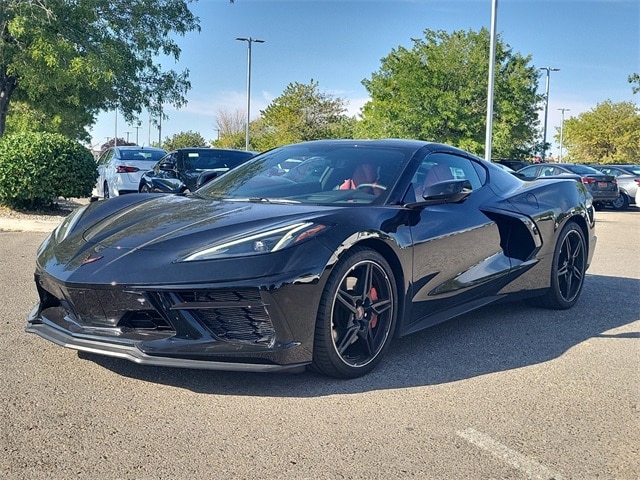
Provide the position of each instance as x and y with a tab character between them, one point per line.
621	203
357	315
568	270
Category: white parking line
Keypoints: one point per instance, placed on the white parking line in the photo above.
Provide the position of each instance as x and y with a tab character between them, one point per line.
523	463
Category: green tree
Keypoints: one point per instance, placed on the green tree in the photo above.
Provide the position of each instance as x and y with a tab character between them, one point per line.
112	143
231	129
68	59
635	78
610	133
301	113
183	140
437	91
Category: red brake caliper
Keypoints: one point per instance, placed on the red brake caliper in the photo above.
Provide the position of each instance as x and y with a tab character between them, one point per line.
373	294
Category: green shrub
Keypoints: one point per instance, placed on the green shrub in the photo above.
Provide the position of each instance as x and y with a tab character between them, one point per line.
37	168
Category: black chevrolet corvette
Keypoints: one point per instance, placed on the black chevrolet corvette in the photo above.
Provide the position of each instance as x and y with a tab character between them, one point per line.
318	265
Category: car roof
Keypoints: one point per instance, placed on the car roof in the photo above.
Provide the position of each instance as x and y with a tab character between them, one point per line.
212	149
139	147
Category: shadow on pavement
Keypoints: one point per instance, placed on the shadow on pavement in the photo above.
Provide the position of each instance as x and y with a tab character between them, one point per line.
495	339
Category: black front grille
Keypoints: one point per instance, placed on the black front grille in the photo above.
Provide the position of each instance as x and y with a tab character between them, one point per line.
144	320
92	307
238	324
231	315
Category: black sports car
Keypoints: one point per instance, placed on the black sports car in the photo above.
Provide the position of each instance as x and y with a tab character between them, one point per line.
180	171
322	264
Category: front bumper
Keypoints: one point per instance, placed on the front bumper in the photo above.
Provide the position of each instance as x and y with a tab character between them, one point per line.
196	326
131	352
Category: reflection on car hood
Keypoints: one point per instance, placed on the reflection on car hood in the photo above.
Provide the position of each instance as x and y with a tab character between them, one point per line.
175	222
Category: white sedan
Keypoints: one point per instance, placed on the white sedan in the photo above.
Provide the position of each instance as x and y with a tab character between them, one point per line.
120	169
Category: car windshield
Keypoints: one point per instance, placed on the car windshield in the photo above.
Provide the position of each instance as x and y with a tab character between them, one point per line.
204	160
326	173
150	155
581	169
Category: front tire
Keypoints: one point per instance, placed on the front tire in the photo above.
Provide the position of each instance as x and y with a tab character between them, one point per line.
357	315
105	190
569	268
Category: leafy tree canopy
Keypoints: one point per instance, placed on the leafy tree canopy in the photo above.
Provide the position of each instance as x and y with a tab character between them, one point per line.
231	129
184	140
68	59
635	78
301	113
437	91
121	142
610	133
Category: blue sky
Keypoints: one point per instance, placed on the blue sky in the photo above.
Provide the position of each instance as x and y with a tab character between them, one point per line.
594	43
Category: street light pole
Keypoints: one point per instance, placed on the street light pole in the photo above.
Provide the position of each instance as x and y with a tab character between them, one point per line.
562	130
137	127
492	61
546	109
249	42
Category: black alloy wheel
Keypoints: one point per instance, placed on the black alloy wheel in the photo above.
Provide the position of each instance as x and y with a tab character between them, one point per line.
569	268
357	315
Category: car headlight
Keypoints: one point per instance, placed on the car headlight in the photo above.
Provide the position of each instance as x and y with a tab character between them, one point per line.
262	242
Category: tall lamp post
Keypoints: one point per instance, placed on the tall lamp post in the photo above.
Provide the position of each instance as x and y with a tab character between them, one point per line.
492	61
546	109
562	130
249	42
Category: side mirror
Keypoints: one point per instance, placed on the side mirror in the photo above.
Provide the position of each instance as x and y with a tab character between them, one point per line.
451	191
205	177
167	167
448	191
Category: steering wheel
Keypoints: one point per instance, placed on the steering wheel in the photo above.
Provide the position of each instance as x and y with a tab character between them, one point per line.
370	185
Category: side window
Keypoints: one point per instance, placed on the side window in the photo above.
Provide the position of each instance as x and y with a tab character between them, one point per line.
166	162
106	156
440	167
529	171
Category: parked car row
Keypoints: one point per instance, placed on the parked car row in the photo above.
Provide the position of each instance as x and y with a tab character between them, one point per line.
186	169
628	178
131	169
603	187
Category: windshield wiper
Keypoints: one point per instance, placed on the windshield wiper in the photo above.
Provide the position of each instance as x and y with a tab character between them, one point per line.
271	200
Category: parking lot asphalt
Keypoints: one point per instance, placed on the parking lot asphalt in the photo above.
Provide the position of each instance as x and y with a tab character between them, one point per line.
511	391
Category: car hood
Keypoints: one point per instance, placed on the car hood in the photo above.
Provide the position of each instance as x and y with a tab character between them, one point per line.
140	238
169	222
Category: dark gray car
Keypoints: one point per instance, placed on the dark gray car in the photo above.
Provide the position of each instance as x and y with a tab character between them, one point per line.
628	178
179	170
603	188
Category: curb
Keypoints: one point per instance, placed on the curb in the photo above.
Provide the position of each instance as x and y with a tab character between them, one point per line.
24	225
